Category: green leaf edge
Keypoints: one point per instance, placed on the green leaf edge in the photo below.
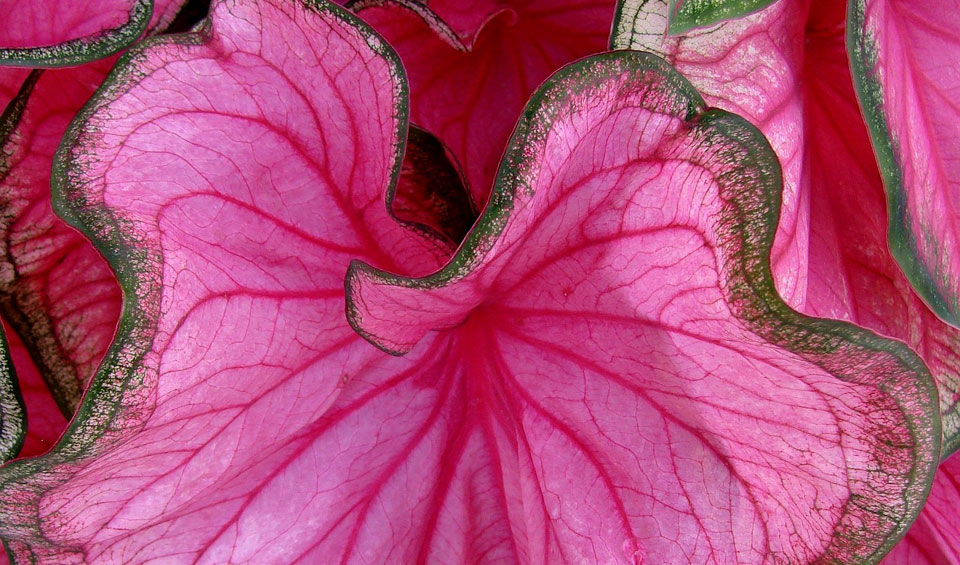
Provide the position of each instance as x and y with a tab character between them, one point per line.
862	51
13	412
83	49
823	342
687	18
111	406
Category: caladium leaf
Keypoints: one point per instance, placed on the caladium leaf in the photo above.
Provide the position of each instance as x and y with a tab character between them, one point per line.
934	539
751	67
45	33
903	56
231	218
48	33
44	419
231	239
57	291
829	169
470	93
617	299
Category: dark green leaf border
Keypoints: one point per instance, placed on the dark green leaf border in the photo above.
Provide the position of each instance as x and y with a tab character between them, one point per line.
750	190
862	50
84	49
686	15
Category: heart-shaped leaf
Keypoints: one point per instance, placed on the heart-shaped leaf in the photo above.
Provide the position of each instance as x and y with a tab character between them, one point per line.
904	60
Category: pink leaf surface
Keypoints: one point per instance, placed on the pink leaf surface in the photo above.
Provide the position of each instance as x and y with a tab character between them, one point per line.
470	94
231	217
904	59
44	419
934	539
666	402
57	292
847	271
751	67
603	405
46	33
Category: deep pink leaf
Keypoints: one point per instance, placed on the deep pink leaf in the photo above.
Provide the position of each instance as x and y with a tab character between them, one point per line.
47	33
470	94
59	294
904	57
45	421
616	297
934	539
847	271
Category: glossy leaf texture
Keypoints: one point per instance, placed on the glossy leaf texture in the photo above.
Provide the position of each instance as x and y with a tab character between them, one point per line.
808	111
235	185
904	60
934	539
616	301
57	292
470	76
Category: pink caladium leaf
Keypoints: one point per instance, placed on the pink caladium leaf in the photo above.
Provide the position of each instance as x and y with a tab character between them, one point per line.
57	292
848	271
469	92
44	419
934	539
235	229
595	365
617	307
46	33
903	56
752	67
